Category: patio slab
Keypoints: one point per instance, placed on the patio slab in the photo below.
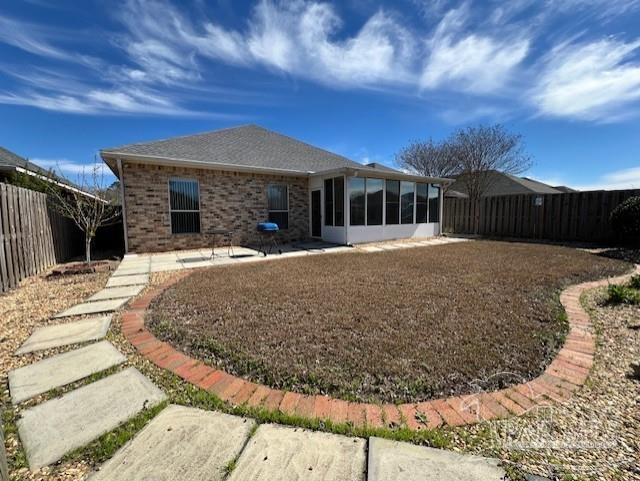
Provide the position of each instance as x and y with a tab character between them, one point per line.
116	293
64	334
60	370
135	280
392	460
52	429
93	307
181	443
277	452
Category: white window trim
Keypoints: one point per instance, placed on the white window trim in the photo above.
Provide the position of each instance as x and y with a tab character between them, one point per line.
274	184
171	211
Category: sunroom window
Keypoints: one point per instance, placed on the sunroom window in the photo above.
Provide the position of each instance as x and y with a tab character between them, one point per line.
434	203
421	203
184	206
407	190
393	202
356	201
374	201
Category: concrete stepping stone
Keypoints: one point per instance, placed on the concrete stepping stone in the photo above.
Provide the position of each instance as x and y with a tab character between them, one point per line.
278	452
93	307
116	293
56	371
393	460
135	280
130	271
54	428
58	335
181	443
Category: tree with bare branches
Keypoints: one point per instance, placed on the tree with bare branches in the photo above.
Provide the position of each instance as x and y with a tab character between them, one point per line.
85	203
482	151
429	158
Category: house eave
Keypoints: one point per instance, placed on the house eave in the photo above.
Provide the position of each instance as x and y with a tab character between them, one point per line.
22	170
356	172
177	162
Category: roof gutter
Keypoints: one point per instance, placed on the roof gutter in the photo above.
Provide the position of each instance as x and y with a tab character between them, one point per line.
22	170
176	162
356	172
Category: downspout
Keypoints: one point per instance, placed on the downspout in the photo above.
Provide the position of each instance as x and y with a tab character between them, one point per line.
347	213
441	229
124	210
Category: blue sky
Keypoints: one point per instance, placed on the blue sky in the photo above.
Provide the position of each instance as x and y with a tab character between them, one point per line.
360	78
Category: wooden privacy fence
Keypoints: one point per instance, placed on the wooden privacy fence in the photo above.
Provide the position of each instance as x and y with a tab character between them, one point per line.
574	216
32	236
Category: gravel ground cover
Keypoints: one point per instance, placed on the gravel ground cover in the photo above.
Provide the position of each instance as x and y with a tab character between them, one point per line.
596	434
24	309
406	325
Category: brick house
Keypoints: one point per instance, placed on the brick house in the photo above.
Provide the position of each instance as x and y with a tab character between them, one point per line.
175	191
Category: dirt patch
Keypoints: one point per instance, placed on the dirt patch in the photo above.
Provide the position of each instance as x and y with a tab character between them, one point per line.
399	326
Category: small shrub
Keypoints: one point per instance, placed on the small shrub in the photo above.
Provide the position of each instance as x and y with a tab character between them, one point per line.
625	218
622	295
634	283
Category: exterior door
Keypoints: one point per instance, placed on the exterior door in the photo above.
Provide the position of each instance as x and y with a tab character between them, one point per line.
316	214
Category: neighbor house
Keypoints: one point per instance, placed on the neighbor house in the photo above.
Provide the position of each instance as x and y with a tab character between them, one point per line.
176	191
500	183
13	167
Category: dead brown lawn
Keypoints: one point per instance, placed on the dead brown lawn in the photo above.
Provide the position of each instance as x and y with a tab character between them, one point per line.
406	325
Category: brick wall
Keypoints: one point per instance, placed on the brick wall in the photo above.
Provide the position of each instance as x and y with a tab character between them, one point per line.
230	200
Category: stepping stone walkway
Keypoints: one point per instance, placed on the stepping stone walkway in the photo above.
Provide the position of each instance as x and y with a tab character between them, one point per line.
181	443
133	280
52	429
116	293
63	369
278	452
392	460
64	334
93	307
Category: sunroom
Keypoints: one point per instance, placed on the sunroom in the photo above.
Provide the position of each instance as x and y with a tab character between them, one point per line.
352	206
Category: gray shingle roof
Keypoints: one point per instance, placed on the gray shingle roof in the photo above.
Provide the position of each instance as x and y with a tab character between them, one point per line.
9	159
379	166
247	146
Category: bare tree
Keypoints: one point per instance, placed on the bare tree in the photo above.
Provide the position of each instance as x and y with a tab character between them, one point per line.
429	158
84	203
484	150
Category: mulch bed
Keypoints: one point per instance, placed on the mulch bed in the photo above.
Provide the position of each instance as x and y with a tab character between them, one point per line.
400	326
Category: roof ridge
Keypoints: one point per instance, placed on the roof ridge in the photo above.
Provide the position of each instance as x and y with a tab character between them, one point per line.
197	134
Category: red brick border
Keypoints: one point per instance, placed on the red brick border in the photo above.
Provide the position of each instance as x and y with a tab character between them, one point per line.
566	373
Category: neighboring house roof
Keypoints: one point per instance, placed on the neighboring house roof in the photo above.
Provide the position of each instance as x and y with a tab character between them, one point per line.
565	189
378	166
10	161
507	184
244	146
454	193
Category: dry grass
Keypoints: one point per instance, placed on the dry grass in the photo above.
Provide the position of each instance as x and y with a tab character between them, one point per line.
406	325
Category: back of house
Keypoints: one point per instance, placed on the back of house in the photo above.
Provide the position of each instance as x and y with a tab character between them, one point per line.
177	191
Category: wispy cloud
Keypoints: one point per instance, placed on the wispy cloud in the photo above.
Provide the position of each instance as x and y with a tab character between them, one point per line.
477	63
590	81
492	56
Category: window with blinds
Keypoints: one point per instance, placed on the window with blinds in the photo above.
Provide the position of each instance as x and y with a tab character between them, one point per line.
278	200
184	206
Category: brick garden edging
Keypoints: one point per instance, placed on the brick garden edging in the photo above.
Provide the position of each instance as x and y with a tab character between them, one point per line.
566	373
